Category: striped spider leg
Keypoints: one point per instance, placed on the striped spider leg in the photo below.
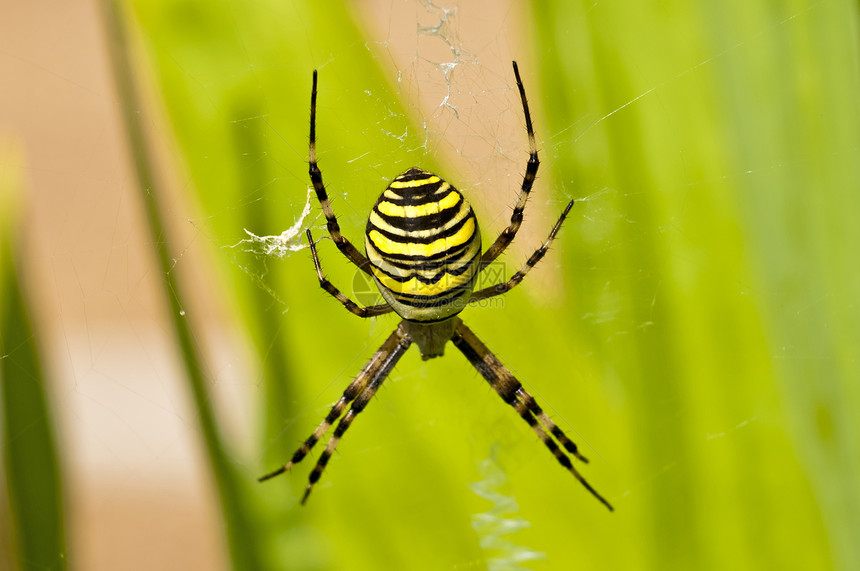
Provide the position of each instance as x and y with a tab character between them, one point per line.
359	392
513	393
344	245
424	253
507	235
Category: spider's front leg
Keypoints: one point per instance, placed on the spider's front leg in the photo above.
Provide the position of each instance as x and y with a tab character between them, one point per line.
359	392
344	245
507	235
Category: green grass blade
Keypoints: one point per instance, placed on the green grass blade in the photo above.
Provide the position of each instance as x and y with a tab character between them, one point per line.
800	221
237	511
32	467
716	146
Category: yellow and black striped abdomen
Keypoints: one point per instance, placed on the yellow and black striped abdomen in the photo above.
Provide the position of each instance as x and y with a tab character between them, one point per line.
424	246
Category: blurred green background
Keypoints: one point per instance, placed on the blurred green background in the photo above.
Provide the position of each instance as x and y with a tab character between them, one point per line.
695	326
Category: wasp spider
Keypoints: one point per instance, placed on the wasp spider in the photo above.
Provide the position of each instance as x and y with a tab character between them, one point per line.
424	253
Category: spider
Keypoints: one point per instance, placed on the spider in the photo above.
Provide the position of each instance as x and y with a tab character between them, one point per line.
424	253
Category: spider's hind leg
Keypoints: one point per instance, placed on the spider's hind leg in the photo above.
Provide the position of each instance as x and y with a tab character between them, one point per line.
359	393
513	393
352	391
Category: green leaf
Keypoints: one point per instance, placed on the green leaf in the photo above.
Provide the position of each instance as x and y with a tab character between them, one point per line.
32	467
238	513
716	146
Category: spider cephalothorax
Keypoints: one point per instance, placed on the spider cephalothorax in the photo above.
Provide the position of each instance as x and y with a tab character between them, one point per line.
424	253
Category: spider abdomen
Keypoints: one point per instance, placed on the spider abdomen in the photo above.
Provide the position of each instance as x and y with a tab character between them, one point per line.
424	246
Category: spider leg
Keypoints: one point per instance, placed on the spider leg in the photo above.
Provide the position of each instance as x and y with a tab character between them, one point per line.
369	311
544	419
508	233
387	356
513	393
344	245
374	372
353	390
507	286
